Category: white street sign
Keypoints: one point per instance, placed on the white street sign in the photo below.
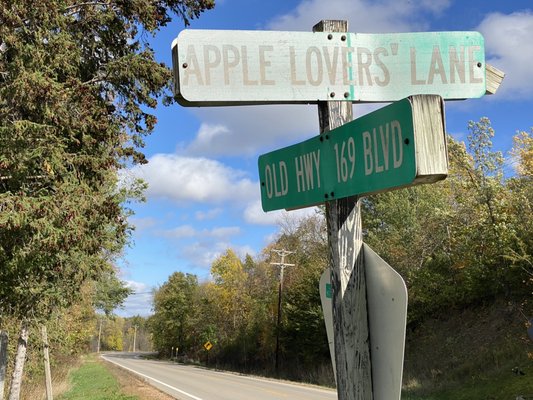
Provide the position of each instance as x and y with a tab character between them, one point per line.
214	67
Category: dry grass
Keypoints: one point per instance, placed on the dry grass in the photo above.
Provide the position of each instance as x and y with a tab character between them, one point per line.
36	388
134	385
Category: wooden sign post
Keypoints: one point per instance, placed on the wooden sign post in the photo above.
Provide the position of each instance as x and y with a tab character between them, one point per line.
345	242
3	361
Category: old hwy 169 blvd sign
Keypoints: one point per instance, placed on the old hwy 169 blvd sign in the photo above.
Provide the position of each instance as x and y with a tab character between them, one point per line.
259	67
399	145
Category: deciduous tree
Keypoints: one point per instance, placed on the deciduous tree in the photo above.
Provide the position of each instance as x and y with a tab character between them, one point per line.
172	324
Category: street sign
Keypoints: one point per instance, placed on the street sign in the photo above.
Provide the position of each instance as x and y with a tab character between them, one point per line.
218	67
208	345
387	314
396	146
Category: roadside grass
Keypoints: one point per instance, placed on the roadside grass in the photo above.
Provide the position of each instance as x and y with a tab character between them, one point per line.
504	385
92	381
477	353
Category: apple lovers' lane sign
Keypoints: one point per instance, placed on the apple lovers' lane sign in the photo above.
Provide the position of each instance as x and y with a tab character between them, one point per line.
218	67
399	145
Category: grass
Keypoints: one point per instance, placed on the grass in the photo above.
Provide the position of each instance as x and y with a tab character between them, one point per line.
470	354
92	381
508	387
503	383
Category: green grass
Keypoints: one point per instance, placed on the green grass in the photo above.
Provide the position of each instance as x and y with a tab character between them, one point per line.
470	354
505	386
92	381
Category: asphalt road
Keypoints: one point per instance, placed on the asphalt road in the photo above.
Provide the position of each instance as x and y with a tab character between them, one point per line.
188	382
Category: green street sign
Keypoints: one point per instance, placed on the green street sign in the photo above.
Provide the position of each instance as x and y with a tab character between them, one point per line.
399	145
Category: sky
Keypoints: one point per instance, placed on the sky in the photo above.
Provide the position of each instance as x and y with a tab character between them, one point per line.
203	192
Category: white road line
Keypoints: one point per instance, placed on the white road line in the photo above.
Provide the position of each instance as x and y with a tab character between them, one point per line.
153	379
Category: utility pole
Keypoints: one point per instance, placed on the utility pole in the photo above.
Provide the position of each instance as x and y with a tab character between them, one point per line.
99	336
282	253
134	336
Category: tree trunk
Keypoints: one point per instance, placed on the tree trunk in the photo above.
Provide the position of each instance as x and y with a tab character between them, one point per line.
20	358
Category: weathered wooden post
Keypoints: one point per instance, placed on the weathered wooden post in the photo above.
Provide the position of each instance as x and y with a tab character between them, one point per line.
22	347
352	354
3	361
47	373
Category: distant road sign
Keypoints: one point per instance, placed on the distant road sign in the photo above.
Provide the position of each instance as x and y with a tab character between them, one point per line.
208	345
214	67
396	146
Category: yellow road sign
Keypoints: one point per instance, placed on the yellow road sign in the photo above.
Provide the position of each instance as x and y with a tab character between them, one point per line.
208	345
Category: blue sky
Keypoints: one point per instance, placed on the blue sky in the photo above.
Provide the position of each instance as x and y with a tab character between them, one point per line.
204	195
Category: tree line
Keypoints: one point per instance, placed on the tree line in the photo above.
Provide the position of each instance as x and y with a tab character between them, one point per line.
457	243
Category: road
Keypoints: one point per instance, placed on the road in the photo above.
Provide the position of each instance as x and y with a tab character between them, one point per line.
195	383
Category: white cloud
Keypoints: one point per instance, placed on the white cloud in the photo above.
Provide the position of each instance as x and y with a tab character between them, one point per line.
201	254
254	214
435	6
188	179
181	232
207	215
225	231
206	136
510	48
243	130
138	287
142	224
139	302
362	15
187	231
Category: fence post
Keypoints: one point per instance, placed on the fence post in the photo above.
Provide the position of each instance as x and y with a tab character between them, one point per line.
3	361
47	372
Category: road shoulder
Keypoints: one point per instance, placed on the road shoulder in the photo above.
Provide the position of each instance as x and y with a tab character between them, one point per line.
132	384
